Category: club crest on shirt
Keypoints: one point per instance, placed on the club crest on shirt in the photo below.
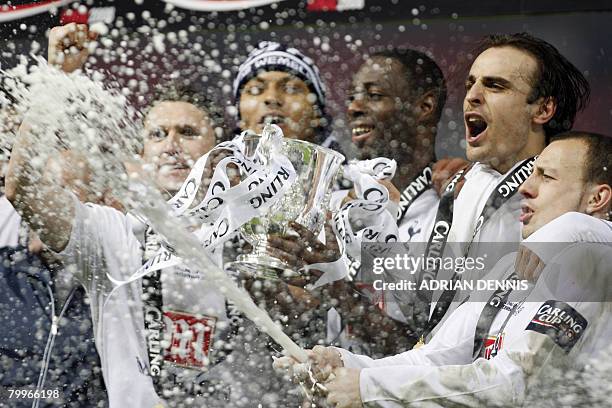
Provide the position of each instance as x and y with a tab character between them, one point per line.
559	321
191	340
413	229
492	345
513	307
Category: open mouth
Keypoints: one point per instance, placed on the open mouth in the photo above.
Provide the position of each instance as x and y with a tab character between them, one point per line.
169	168
526	214
272	120
476	125
361	132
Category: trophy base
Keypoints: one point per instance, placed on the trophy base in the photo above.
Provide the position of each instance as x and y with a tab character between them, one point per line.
262	266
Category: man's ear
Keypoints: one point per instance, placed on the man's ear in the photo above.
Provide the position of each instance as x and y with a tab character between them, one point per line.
545	111
426	106
599	200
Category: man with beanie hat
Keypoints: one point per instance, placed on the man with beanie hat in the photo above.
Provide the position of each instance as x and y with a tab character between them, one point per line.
280	85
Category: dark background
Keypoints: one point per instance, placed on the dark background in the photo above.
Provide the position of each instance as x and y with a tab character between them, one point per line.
206	48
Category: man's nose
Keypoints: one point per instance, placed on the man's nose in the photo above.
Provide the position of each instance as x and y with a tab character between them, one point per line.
356	106
272	96
172	142
474	95
529	189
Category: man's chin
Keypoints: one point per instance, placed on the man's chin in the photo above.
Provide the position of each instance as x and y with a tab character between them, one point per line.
528	229
170	186
525	234
371	149
365	154
475	153
288	133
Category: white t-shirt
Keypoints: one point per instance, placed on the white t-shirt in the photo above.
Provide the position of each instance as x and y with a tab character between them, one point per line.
101	243
10	223
563	323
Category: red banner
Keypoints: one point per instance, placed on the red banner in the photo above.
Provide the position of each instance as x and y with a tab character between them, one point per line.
88	16
335	5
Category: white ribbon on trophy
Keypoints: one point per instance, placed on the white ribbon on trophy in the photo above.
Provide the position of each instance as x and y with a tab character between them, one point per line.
371	210
225	208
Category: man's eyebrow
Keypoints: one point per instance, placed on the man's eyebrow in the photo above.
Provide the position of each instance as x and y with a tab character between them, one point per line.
498	79
291	78
489	78
256	79
543	168
365	85
155	125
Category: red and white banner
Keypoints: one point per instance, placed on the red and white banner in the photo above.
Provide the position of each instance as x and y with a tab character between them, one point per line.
219	5
88	16
335	5
28	9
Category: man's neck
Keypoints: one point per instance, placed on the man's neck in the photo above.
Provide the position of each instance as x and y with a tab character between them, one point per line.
409	167
505	167
534	148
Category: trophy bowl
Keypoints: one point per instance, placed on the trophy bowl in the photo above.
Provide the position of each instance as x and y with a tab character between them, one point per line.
306	202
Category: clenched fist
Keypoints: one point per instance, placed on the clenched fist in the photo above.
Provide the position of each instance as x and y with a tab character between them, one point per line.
69	46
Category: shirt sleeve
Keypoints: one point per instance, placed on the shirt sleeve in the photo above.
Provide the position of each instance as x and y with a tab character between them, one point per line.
101	242
452	344
482	383
552	333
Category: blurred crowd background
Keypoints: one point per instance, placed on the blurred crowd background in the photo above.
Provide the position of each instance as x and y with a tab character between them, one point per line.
150	41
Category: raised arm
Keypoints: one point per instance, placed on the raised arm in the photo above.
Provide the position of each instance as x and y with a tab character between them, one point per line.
35	192
45	206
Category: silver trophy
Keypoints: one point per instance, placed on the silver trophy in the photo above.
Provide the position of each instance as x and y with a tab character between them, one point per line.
306	202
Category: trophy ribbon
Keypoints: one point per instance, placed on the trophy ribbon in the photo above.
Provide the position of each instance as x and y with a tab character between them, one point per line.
225	208
372	209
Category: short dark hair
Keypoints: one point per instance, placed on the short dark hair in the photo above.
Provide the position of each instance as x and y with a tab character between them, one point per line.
598	160
181	92
556	78
422	73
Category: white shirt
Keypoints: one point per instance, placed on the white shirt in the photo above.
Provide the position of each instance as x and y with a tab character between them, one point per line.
502	226
10	222
442	372
102	243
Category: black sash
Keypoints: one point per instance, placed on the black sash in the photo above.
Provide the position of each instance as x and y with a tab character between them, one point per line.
437	241
442	225
153	313
154	324
421	183
495	303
